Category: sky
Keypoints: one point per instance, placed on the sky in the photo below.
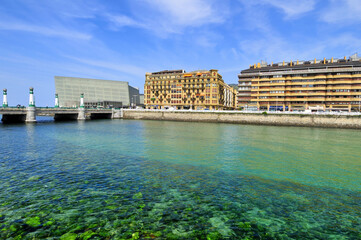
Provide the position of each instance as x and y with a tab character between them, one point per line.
124	39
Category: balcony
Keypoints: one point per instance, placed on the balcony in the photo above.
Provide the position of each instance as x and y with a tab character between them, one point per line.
341	76
306	94
319	77
305	88
244	94
340	87
343	93
269	100
342	99
342	81
306	83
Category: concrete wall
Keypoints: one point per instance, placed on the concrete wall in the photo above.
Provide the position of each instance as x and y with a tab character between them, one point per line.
333	121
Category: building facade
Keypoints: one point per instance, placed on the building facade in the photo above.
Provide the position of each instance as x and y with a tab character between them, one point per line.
203	89
244	93
327	85
106	93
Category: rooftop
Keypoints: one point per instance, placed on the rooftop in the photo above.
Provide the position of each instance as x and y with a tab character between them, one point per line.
180	71
168	72
352	61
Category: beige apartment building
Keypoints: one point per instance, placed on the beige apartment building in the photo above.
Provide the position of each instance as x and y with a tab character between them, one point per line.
197	90
324	85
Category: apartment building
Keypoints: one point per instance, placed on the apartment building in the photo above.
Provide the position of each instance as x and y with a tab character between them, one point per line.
197	90
328	84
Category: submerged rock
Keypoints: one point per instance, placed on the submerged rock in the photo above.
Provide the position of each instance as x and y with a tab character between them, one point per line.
33	221
138	195
69	236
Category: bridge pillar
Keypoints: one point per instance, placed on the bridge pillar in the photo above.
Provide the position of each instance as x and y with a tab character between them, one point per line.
31	111
81	113
5	98
56	101
30	115
116	114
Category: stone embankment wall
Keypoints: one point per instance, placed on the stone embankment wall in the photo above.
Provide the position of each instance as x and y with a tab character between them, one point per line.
303	120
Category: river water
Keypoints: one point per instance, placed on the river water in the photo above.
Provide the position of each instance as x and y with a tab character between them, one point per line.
128	179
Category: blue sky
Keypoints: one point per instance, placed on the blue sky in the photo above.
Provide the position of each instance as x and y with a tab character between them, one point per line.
121	40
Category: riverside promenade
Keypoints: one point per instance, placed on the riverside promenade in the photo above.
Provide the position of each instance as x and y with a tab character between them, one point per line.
299	119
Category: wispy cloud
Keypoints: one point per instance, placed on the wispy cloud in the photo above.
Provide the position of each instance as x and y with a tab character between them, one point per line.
291	8
119	21
165	17
42	30
51	18
342	12
187	12
268	48
277	49
116	66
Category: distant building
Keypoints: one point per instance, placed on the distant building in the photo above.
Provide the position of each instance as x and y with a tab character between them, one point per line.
103	93
328	84
202	89
233	85
141	100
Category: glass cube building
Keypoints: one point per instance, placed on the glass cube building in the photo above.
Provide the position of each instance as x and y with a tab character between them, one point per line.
95	90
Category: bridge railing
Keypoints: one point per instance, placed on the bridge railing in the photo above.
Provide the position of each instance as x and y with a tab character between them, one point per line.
98	108
52	108
13	108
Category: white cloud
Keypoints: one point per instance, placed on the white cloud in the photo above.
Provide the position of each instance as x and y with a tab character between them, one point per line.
123	21
292	8
342	12
116	66
51	18
47	31
277	49
187	12
165	17
347	42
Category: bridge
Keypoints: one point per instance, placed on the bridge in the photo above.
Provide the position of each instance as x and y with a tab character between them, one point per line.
14	114
28	114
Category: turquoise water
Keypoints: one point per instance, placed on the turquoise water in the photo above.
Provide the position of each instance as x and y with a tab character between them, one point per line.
119	179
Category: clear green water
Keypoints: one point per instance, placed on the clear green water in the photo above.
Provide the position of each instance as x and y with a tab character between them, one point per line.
118	179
